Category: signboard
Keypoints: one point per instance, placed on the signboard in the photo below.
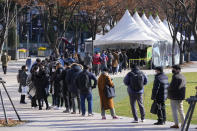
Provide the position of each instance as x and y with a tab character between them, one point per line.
149	53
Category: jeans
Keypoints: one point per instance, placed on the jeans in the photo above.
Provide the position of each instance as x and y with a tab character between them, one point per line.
110	68
83	107
139	98
177	106
103	66
120	67
96	69
67	100
114	70
56	100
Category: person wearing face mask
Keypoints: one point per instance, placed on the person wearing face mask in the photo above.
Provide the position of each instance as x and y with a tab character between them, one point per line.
159	94
22	78
106	103
58	83
40	80
176	94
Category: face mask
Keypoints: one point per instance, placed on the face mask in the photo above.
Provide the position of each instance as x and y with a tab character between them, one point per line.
37	70
53	70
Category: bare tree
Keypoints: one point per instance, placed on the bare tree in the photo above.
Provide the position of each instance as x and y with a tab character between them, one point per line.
8	15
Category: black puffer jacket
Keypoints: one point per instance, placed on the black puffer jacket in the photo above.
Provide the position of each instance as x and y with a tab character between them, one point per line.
160	88
176	91
71	77
41	82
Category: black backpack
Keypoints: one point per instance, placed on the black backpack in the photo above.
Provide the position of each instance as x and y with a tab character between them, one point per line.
136	81
83	81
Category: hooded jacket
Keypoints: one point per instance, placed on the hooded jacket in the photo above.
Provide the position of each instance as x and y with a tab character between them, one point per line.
71	77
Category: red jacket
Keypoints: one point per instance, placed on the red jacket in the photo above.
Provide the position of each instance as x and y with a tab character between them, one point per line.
96	59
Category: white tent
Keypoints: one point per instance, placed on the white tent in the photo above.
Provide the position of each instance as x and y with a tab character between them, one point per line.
165	23
148	30
154	29
162	26
126	33
167	48
161	31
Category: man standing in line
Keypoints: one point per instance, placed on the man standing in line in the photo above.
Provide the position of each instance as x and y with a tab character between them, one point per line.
83	82
88	61
159	94
96	63
135	80
176	94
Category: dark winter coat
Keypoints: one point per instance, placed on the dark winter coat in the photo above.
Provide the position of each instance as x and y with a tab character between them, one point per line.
63	77
110	59
125	59
58	82
176	90
71	78
91	77
41	82
88	61
21	78
160	88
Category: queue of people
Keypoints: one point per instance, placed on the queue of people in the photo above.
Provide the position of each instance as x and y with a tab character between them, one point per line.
69	81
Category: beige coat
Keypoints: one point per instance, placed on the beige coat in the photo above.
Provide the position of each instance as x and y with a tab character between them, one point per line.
103	80
115	60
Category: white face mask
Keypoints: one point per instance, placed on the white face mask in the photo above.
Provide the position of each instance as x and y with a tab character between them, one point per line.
37	70
53	70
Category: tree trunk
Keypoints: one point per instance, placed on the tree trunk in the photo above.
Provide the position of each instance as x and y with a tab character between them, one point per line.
181	57
188	56
173	55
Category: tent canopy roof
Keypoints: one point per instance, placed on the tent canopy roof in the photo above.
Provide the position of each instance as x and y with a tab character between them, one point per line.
126	31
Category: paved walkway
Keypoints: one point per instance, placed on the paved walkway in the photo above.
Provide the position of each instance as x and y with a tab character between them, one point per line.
55	120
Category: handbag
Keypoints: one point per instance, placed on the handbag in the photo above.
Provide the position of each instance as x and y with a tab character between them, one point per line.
109	91
154	108
24	90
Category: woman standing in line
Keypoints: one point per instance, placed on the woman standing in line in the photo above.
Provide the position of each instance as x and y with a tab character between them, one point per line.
106	103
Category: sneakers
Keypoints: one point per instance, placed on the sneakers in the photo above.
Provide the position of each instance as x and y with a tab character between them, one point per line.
159	123
143	120
175	126
73	113
115	117
66	111
135	121
48	108
23	103
56	108
90	114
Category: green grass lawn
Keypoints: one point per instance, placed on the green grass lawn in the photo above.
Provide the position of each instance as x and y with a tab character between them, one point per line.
123	107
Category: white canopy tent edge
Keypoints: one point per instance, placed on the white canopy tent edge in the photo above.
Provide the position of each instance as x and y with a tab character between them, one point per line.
128	34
